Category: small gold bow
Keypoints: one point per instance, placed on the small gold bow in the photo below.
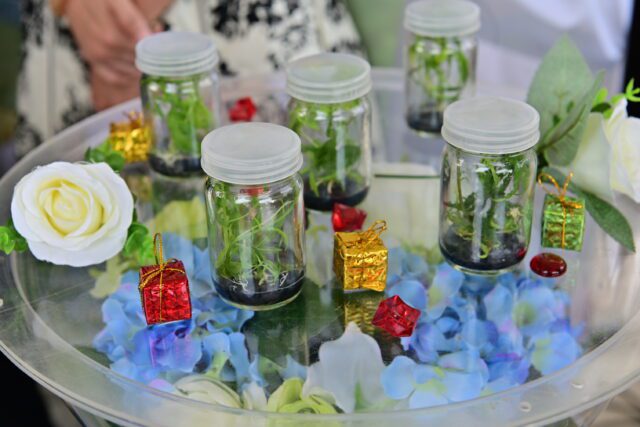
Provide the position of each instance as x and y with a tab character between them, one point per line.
561	195
369	236
161	267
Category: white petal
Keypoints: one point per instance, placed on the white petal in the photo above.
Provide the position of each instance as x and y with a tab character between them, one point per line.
591	167
97	253
349	365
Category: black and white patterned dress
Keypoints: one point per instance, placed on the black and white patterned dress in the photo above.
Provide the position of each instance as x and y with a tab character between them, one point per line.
252	37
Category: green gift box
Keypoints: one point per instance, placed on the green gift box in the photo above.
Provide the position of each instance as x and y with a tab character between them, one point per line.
563	222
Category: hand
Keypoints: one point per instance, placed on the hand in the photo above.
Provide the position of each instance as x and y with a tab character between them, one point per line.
152	10
107	32
105	93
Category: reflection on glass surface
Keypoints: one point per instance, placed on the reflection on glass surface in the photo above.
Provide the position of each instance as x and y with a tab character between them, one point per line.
476	335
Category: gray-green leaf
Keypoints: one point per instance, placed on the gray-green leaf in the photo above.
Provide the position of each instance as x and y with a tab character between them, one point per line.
563	77
560	144
610	219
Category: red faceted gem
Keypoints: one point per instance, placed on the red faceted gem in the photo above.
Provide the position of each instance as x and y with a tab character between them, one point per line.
396	317
347	218
243	110
548	265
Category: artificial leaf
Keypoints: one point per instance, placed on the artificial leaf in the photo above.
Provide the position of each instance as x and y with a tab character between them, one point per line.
139	245
610	219
561	142
11	240
631	92
563	77
105	153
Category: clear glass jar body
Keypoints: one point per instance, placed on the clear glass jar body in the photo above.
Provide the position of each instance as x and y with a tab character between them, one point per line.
439	71
180	111
336	145
256	241
486	209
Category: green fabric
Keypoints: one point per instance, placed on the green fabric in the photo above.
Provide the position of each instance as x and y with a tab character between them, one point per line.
379	23
555	215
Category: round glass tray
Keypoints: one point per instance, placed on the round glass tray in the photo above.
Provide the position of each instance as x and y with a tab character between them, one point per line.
510	350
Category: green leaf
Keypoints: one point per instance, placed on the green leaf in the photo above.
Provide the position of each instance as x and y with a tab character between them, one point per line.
631	92
561	142
11	240
601	107
610	219
139	245
105	153
563	76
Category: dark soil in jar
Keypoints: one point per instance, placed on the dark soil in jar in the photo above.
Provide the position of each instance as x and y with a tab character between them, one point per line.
324	200
180	166
253	295
507	252
425	121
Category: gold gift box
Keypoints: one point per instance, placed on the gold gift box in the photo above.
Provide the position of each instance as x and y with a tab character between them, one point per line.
131	137
360	259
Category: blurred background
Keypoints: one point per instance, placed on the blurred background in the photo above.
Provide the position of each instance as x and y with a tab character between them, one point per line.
62	60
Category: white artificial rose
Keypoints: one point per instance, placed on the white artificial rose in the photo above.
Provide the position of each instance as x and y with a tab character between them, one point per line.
73	214
609	155
590	166
623	133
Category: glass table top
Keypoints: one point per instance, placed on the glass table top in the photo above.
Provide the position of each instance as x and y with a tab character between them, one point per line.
505	350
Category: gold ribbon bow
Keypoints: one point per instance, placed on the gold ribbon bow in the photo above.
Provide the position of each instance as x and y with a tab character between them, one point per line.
161	267
561	195
369	236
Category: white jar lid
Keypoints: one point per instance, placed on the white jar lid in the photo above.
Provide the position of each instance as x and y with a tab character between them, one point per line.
251	153
176	54
488	125
328	78
442	18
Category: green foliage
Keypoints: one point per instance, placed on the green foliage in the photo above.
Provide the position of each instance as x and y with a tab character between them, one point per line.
11	240
561	142
180	106
432	68
105	153
558	87
564	93
139	245
610	219
331	155
251	242
631	92
606	107
501	179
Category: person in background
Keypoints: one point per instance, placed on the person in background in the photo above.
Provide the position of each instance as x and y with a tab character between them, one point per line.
79	55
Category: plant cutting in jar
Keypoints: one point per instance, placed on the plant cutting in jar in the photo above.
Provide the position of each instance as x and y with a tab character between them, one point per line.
332	156
255	255
440	67
499	180
587	134
181	107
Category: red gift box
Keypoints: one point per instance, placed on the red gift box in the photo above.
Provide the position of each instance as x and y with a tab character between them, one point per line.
164	290
396	317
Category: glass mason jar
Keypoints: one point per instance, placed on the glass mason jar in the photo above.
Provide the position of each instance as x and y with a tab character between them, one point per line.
180	100
255	214
331	113
440	59
488	181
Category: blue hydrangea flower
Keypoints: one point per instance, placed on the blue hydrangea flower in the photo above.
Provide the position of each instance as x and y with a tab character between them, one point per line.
209	341
411	291
457	377
554	351
443	290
